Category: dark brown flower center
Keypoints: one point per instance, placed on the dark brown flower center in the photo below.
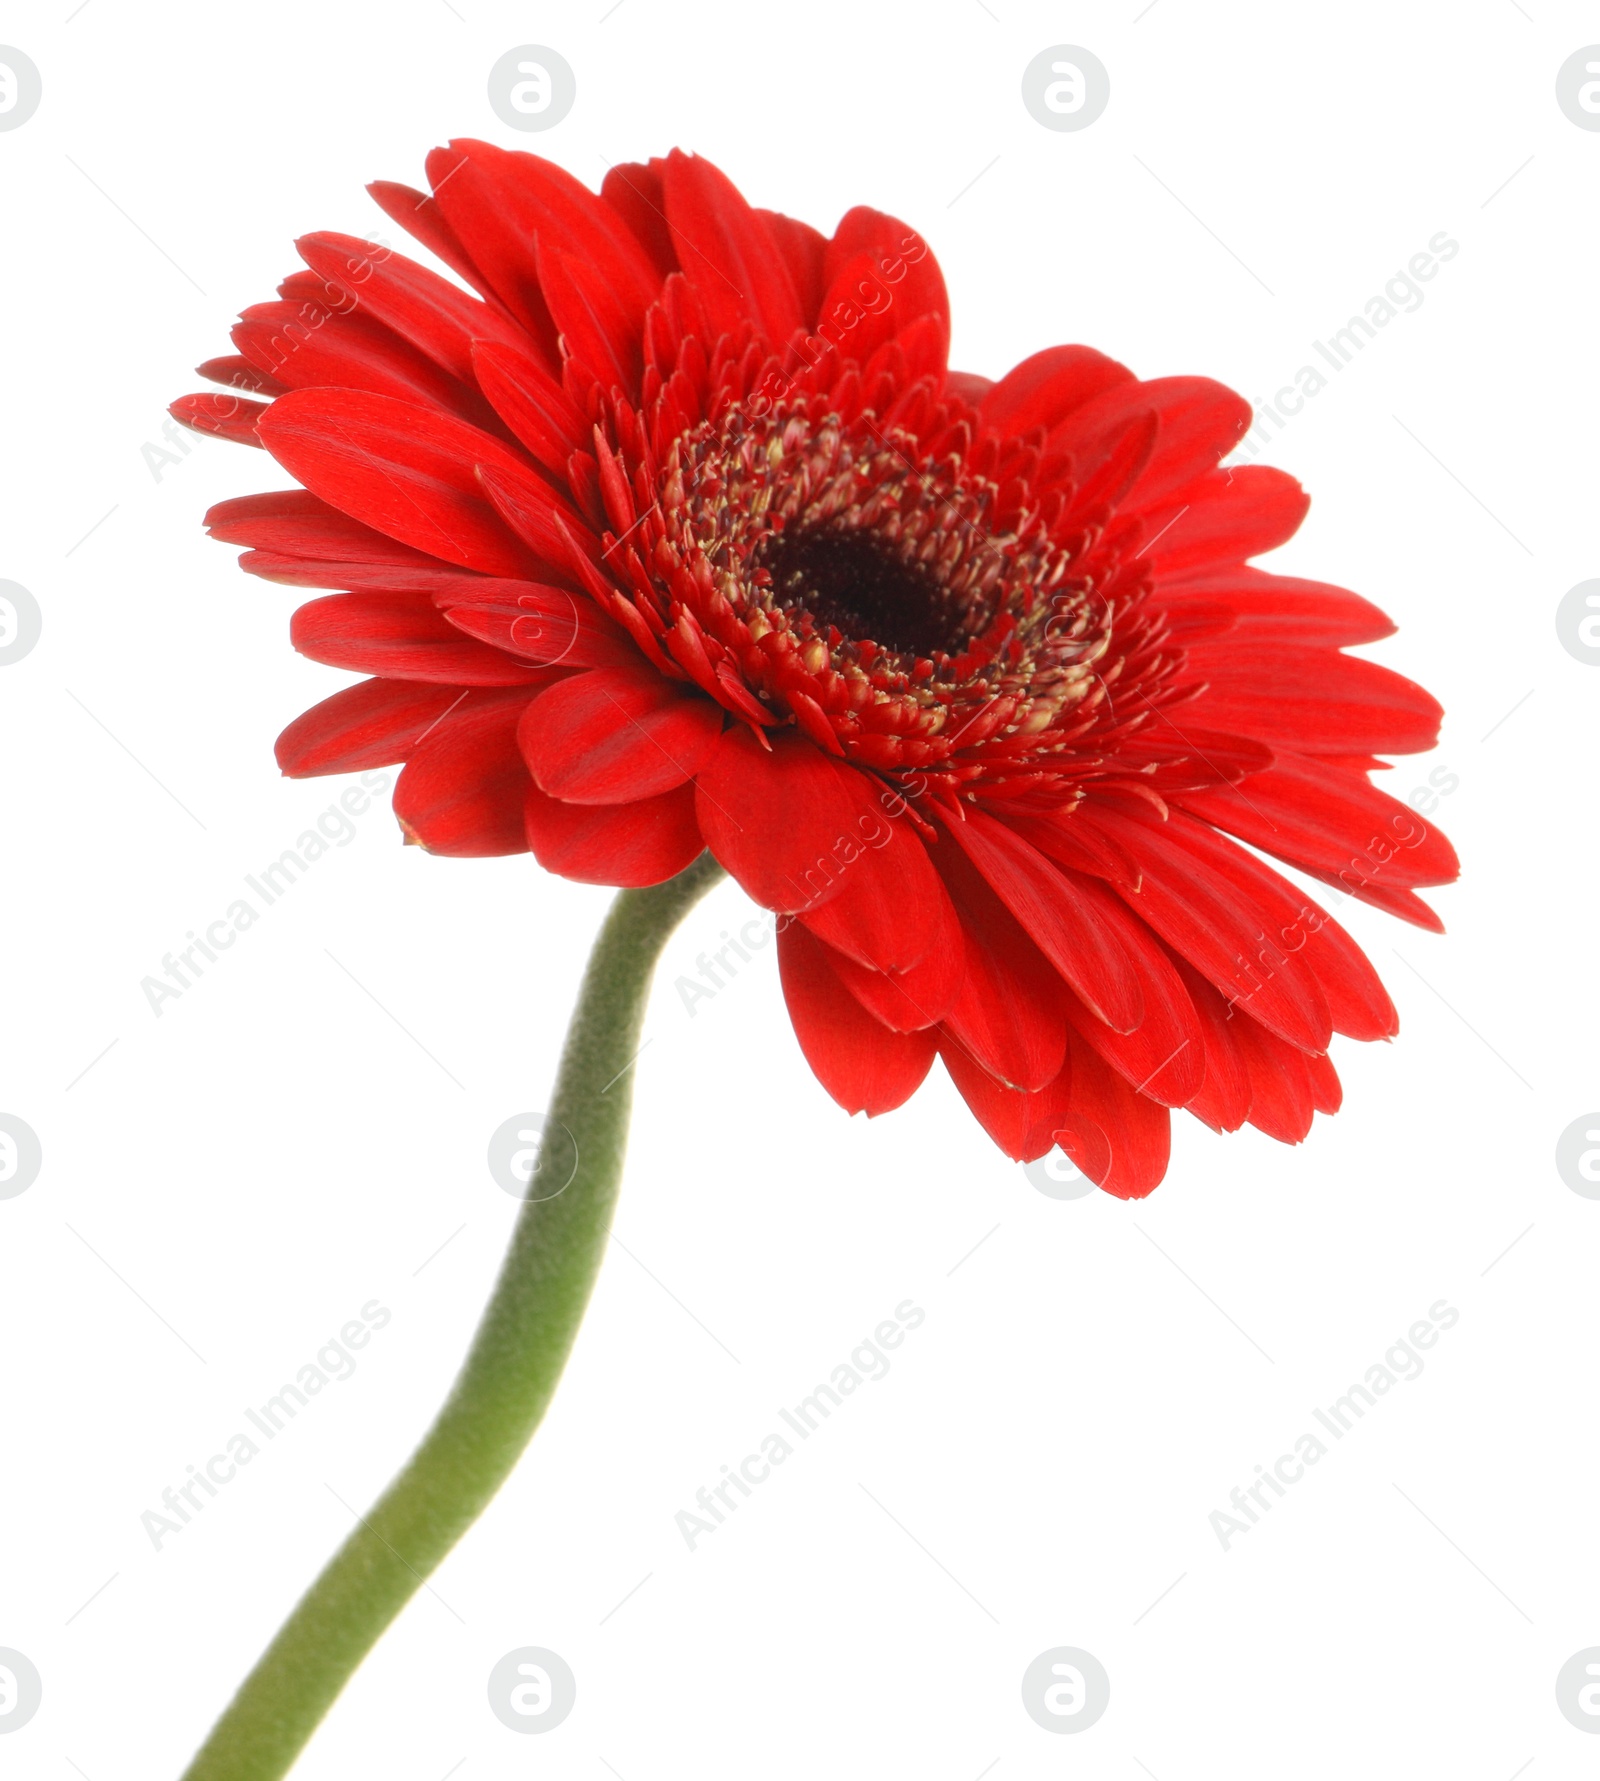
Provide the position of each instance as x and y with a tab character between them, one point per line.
854	581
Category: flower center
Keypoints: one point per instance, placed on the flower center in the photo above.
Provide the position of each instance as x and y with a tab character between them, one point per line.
908	609
852	580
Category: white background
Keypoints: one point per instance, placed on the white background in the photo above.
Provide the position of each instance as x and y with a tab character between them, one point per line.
235	1179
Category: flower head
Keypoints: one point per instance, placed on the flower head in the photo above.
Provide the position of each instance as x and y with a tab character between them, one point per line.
681	534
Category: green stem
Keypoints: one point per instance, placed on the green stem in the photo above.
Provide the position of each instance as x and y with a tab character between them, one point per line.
510	1372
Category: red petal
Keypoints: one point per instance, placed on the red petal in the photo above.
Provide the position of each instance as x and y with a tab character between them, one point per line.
1301	929
1024	1126
238	373
532	512
1224	1098
374	724
628	845
502	204
1205	919
900	252
1310	701
433	315
880	278
805	252
906	1001
1250	605
296	523
307	344
1067	924
418	213
1048	387
228	417
865	1067
968	386
536	623
435	580
1327	1093
405	470
401	637
461	790
1009	1010
1200	422
1281	1102
1223	518
531	403
1163	1058
1104	479
728	251
633	189
596	327
1184	758
890	910
782	820
617	735
1107	1114
548	203
1080	847
1333	825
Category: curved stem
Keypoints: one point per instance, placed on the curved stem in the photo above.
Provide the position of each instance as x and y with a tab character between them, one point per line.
510	1372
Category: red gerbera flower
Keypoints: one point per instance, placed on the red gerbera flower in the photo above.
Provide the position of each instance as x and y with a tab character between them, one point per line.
680	534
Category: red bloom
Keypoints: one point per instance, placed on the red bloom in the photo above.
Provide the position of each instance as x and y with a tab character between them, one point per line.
680	534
